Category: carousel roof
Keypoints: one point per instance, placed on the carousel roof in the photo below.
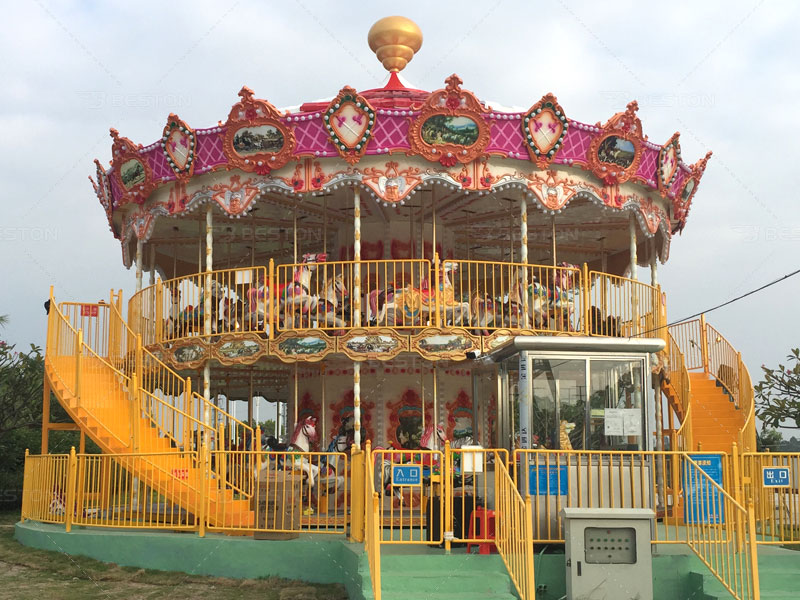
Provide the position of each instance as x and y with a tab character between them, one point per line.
392	140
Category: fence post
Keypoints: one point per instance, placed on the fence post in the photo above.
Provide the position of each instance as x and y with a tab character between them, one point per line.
270	304
222	458
737	491
359	468
26	487
753	543
256	445
447	518
139	360
69	508
530	592
704	343
202	473
585	292
78	357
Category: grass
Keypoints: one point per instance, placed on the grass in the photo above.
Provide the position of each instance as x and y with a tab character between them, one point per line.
31	574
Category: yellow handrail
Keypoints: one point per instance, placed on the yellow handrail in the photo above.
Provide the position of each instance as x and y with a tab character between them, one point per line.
372	523
514	532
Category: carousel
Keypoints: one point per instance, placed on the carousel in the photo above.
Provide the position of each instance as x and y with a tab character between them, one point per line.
394	259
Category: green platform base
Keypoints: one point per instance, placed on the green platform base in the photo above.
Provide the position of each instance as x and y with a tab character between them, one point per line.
408	572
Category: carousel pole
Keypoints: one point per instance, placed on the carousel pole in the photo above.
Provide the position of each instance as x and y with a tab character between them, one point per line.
322	408
207	314
295	407
634	273
435	396
294	227
553	237
138	264
523	254
325	224
357	313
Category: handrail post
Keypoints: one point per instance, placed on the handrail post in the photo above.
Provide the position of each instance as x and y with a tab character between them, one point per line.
221	462
69	509
753	544
202	472
188	442
359	467
704	343
139	358
256	445
78	355
437	297
447	518
270	297
585	292
530	592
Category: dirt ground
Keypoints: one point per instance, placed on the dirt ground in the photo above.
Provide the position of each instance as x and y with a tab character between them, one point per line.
29	574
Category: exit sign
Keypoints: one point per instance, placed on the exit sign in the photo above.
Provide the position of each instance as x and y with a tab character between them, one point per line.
776	477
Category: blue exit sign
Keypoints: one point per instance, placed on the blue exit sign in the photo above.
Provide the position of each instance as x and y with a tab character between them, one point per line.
406	475
776	477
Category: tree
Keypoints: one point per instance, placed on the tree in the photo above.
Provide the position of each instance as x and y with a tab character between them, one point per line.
770	438
268	427
21	381
778	394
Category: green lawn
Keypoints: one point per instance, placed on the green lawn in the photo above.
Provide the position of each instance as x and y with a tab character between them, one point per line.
29	574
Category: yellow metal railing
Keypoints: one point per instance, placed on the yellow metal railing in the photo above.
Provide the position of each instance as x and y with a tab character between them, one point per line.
44	490
681	386
372	523
410	513
721	532
470	493
293	492
513	532
409	294
777	509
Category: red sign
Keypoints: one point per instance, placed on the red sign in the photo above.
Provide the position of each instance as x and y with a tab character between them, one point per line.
89	310
180	473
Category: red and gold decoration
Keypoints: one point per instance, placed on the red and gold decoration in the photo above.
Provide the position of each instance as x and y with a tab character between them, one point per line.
131	171
614	155
544	127
256	140
450	128
350	120
668	162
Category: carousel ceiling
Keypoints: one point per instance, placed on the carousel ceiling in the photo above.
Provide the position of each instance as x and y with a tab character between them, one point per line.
286	168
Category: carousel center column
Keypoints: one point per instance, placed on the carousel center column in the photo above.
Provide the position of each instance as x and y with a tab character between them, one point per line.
357	313
207	316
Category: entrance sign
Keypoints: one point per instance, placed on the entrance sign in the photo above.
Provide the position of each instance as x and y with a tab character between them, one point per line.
775	477
406	475
703	503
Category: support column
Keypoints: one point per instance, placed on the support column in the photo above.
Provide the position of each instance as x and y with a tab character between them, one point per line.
653	263
357	258
634	273
475	408
523	255
138	264
250	402
207	315
322	409
45	416
357	404
435	398
152	264
553	236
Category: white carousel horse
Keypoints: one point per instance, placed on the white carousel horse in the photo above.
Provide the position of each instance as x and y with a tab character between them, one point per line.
304	435
327	306
296	299
481	310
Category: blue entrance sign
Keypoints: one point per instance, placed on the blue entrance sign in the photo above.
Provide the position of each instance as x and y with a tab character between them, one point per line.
703	502
406	475
776	477
547	480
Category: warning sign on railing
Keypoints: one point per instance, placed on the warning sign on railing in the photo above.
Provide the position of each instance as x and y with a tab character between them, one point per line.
182	474
703	500
89	310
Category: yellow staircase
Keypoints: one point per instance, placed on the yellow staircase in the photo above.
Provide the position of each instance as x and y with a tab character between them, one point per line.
143	431
716	420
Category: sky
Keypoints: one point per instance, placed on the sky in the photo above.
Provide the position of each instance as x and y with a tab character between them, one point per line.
724	74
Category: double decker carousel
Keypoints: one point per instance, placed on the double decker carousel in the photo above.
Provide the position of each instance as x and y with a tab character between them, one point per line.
381	259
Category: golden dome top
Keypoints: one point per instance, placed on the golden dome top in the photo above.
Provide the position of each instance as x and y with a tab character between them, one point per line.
395	40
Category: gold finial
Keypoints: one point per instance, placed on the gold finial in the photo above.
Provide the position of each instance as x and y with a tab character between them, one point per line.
395	40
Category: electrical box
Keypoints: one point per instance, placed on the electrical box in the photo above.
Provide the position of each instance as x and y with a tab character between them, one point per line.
608	553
